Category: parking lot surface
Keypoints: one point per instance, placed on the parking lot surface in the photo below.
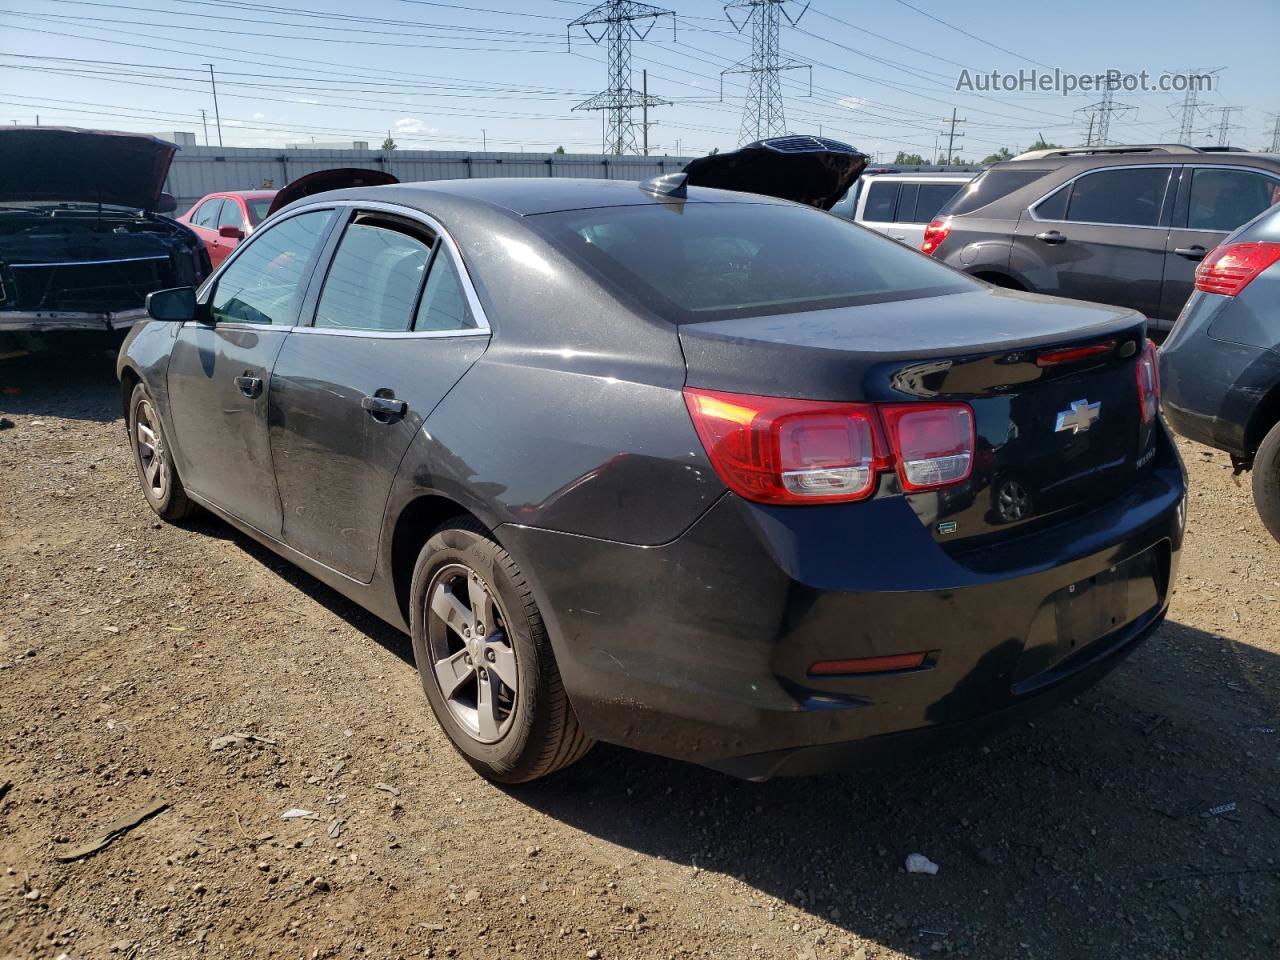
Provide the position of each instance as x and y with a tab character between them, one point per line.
141	662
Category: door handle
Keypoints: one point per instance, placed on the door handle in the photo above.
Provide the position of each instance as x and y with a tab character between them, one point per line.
1050	237
1196	252
251	387
380	405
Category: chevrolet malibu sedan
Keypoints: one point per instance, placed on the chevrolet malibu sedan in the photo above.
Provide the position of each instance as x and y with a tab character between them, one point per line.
707	474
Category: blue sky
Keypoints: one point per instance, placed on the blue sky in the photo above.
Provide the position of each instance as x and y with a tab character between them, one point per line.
459	74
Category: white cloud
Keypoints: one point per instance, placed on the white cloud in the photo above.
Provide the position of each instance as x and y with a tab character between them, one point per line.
852	103
304	100
259	116
409	126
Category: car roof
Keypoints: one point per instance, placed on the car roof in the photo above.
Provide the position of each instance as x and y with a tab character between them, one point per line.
1094	161
527	196
246	194
922	175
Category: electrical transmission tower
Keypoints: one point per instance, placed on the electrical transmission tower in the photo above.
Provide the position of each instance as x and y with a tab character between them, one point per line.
1225	126
617	23
1100	116
763	114
1192	109
1275	133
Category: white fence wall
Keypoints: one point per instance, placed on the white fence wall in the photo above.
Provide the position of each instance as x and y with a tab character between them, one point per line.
197	171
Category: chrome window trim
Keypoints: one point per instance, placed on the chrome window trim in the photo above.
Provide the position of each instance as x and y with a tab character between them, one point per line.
1031	207
482	327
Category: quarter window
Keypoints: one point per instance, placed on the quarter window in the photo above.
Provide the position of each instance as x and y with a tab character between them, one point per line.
1225	199
263	283
1129	197
375	278
882	198
444	305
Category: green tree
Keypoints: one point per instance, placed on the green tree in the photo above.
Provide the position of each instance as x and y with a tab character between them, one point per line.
1004	153
559	150
909	159
1043	144
388	144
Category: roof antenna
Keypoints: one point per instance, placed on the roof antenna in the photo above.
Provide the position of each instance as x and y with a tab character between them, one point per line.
673	185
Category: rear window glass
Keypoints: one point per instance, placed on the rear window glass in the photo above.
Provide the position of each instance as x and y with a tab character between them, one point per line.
1131	197
258	210
988	187
932	197
713	261
1225	199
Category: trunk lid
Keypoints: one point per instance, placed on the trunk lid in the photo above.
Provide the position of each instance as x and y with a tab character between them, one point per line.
83	166
1049	435
810	170
322	181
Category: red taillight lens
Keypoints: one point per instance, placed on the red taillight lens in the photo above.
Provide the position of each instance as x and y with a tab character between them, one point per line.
1230	268
933	442
777	450
889	664
1148	383
1052	358
934	234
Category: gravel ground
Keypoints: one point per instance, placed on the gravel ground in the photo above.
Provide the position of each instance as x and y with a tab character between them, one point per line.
1142	820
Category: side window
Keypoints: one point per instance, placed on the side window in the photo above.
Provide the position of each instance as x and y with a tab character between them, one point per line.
207	215
374	281
231	216
1225	199
264	281
931	199
1131	197
1054	206
882	198
444	305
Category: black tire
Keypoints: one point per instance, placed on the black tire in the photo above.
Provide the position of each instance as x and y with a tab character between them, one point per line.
1266	481
542	734
162	488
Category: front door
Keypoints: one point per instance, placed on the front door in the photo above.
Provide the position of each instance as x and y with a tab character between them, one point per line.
230	216
1099	238
1212	202
394	329
219	372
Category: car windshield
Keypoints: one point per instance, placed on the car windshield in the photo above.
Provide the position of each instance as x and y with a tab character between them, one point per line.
258	208
693	261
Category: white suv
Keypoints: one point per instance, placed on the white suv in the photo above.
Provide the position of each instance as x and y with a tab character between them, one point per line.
900	204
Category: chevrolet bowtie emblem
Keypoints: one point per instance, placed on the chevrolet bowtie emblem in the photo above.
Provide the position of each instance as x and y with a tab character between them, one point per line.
1080	417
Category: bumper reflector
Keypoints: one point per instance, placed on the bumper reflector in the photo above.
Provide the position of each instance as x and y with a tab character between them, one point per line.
898	661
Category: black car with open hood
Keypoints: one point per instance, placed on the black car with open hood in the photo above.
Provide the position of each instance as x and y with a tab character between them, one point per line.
83	238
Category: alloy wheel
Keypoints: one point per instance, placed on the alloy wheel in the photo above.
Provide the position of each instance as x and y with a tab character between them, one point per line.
151	452
473	658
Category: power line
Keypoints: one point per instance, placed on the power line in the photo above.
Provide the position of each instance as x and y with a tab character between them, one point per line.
617	23
1225	126
763	111
973	36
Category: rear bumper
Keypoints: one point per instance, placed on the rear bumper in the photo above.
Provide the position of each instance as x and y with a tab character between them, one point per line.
51	321
699	649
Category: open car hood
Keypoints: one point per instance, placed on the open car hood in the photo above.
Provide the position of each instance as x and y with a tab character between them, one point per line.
66	164
323	180
811	170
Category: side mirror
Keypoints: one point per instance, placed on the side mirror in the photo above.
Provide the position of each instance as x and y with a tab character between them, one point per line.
176	305
166	204
230	232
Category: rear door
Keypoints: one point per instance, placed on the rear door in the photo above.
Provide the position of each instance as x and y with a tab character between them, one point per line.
204	221
219	373
1101	237
229	216
395	326
1213	200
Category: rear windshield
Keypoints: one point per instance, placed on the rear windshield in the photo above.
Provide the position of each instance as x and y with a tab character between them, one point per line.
713	261
988	187
258	210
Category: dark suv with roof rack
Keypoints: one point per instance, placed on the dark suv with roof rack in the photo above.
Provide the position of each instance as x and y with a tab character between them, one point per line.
1120	225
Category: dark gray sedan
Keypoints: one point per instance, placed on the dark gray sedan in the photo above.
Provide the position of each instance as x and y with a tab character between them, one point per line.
703	473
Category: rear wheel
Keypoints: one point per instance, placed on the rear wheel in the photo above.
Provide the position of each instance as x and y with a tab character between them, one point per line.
1266	481
156	472
485	661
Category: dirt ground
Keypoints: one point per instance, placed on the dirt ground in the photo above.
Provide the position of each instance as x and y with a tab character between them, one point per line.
1140	821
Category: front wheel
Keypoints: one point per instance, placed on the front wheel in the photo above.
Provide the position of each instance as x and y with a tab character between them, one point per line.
153	460
1266	481
485	660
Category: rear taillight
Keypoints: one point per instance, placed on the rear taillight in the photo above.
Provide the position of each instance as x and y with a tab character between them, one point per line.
1051	358
933	442
778	450
1148	383
1230	268
934	234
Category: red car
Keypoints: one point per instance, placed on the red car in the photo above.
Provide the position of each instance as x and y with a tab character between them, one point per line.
224	219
